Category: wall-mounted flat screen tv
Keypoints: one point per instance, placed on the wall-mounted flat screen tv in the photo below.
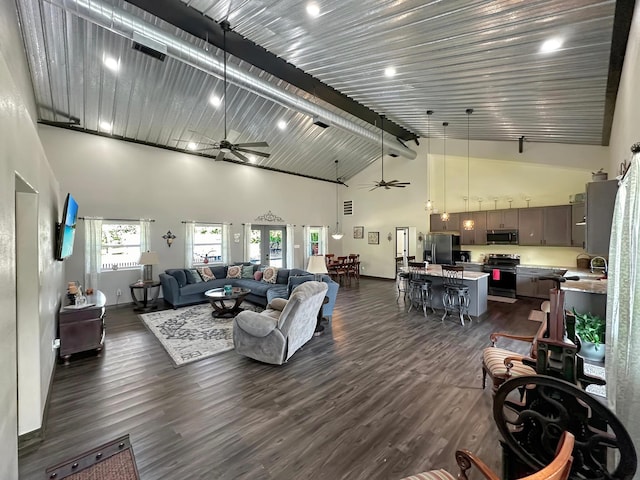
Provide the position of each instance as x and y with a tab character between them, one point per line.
67	230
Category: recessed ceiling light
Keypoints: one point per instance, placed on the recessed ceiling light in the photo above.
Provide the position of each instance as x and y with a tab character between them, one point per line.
389	72
111	63
313	10
551	45
106	127
215	100
282	125
191	146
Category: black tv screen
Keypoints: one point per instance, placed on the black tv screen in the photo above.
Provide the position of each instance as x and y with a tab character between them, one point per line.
67	231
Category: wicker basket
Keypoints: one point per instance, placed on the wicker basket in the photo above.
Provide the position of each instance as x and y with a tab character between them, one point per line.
583	261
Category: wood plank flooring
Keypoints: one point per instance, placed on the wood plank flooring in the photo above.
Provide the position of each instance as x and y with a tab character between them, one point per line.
381	395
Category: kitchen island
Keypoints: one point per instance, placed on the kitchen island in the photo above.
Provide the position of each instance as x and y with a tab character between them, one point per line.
478	283
587	295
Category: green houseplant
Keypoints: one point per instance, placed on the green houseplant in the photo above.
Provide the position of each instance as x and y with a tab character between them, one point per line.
591	330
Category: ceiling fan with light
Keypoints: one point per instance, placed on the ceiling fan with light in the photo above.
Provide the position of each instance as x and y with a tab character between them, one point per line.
225	146
383	183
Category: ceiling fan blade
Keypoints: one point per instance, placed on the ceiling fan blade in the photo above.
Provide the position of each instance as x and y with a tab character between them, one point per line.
240	156
203	136
220	156
342	183
402	183
254	152
252	144
377	186
206	149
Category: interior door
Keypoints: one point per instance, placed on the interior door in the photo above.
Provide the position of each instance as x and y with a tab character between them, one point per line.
268	245
402	245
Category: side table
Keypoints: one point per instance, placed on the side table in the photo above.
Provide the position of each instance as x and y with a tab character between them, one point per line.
81	328
150	292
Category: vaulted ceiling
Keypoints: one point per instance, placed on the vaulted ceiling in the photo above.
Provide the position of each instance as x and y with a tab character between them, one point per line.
286	67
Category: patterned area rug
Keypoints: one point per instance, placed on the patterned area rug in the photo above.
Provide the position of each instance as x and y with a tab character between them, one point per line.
191	333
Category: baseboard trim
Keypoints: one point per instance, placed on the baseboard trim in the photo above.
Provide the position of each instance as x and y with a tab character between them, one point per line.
32	439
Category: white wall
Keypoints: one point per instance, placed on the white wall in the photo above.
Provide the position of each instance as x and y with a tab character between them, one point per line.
114	179
546	173
625	132
21	154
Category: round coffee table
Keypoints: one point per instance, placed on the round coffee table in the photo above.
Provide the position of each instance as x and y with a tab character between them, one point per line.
217	297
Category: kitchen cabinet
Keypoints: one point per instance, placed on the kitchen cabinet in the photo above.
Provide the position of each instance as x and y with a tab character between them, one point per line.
578	231
451	225
477	236
549	226
601	198
502	219
529	284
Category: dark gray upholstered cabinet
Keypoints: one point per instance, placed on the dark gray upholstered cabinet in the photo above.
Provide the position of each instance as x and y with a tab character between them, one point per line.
506	219
531	226
477	236
437	225
601	198
577	231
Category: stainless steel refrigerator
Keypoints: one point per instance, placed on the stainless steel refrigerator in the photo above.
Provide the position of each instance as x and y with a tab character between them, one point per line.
439	247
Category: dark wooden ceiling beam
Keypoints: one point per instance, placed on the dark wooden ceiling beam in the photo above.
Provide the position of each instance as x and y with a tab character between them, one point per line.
195	23
620	37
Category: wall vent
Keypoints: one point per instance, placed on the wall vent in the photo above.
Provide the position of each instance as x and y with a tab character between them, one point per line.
149	46
347	208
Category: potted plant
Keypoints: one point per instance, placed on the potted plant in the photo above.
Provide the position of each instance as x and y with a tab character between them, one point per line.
591	330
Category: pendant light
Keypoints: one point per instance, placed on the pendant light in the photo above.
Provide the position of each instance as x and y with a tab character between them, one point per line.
429	205
444	216
468	224
337	235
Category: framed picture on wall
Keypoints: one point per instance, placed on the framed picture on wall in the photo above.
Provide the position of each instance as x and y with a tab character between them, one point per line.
358	232
374	238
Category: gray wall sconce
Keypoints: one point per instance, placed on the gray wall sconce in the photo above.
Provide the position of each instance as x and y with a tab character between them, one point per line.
389	236
169	237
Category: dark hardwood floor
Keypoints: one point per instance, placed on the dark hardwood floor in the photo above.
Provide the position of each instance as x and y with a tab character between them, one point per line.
381	395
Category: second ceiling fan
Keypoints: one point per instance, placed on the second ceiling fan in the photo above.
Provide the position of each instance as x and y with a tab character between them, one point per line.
383	183
224	145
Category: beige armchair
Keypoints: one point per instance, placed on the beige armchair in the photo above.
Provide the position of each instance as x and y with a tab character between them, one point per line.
275	334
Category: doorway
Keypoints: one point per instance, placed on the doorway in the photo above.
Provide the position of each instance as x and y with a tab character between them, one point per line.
268	245
402	246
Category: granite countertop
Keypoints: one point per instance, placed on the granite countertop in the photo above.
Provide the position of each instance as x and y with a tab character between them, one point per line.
588	283
436	271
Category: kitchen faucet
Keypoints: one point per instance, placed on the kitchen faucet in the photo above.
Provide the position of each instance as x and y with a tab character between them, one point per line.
604	260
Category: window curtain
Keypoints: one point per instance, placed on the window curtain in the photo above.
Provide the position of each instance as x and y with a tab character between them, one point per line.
188	244
145	235
226	243
247	242
290	249
92	251
324	235
622	360
306	243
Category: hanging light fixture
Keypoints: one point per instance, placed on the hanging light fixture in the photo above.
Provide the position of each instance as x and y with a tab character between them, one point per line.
444	216
468	224
337	235
429	204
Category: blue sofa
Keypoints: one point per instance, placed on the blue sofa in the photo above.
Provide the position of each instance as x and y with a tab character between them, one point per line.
180	288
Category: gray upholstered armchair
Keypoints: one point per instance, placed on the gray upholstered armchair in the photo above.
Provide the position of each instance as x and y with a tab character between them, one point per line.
277	333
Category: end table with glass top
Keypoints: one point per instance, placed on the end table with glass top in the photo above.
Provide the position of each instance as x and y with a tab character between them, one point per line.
150	292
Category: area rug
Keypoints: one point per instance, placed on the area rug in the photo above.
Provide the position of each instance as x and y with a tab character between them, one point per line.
596	371
111	461
494	298
190	333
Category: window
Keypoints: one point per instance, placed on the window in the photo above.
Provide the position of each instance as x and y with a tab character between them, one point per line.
120	245
207	243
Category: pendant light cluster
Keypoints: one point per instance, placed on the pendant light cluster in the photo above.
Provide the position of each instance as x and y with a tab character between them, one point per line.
445	216
337	234
468	224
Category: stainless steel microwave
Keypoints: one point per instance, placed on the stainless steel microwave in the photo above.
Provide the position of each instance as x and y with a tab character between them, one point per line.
502	237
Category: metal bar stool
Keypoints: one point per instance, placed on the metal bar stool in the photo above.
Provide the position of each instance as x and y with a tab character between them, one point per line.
402	284
420	294
456	294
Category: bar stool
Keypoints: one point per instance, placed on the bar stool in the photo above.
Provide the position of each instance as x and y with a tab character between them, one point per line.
421	294
402	284
456	294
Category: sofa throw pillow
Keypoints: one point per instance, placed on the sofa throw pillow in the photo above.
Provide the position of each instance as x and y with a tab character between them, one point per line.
270	274
234	271
193	276
247	271
206	274
257	275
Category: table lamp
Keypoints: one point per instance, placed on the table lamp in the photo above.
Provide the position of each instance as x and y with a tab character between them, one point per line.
318	266
148	259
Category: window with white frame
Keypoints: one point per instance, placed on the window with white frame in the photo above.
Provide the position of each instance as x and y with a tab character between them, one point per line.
120	245
207	243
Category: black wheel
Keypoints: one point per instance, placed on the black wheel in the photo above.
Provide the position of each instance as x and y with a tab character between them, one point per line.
531	426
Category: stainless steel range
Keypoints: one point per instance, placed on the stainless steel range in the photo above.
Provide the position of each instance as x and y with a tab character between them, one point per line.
501	268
